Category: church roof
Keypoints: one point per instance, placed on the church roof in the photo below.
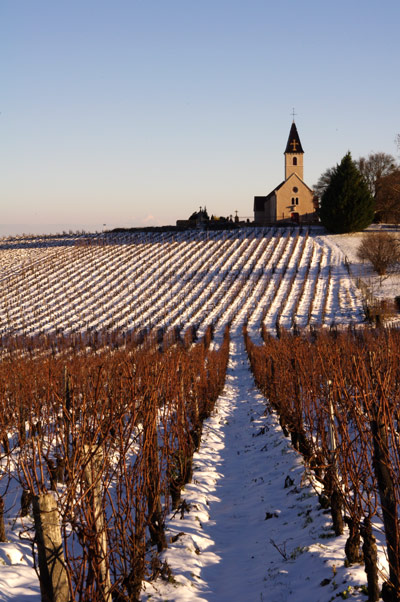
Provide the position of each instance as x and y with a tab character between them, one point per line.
259	201
293	143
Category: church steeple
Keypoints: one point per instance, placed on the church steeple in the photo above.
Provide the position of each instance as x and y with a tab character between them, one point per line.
293	154
293	143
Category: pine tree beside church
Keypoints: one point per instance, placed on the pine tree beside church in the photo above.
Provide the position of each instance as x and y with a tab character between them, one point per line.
347	204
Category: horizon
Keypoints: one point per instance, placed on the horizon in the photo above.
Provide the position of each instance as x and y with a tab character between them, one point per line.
138	113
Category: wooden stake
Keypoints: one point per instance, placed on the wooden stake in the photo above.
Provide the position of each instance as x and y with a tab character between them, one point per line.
54	585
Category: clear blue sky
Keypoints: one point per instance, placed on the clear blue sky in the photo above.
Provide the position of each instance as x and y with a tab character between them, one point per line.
137	112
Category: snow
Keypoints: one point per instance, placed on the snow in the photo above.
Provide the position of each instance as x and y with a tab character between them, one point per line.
387	287
141	280
18	579
246	536
241	511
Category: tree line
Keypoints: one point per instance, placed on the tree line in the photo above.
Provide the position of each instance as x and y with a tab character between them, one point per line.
356	192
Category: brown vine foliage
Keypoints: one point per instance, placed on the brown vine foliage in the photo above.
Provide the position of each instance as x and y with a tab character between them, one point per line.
337	396
109	422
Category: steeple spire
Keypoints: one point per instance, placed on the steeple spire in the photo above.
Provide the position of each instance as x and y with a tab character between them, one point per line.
294	154
293	144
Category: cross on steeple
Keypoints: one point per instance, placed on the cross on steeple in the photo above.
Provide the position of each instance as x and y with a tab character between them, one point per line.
293	153
293	114
293	144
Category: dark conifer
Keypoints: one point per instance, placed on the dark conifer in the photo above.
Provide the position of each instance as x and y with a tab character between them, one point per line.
347	204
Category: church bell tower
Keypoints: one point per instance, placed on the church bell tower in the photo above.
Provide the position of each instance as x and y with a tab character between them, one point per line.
294	154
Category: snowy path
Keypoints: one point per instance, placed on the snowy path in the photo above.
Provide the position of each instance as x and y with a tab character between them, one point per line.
239	508
225	547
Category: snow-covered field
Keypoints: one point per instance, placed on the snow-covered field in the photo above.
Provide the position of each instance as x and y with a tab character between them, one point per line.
166	280
247	536
386	287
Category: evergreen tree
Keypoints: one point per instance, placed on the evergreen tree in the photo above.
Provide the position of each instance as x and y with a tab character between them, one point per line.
347	204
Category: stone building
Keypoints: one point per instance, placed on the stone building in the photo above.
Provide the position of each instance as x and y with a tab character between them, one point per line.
292	200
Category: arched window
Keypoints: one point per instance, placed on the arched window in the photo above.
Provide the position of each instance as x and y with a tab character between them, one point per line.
297	200
294	160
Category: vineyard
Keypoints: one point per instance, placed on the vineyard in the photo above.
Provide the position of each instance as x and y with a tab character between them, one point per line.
115	352
165	281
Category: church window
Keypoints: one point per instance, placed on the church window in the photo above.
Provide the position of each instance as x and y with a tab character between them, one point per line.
294	160
295	189
297	200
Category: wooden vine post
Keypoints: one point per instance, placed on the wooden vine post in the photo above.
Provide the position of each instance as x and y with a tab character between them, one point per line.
3	536
332	477
53	577
92	476
379	421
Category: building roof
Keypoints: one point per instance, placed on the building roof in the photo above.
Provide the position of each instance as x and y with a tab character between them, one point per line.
293	143
259	201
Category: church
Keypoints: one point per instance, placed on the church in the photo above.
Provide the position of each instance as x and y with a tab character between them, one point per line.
292	200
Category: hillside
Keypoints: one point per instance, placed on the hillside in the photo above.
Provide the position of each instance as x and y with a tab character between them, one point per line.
231	548
379	288
174	280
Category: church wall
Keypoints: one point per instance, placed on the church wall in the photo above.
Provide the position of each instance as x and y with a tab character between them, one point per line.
286	199
259	217
271	210
290	168
268	216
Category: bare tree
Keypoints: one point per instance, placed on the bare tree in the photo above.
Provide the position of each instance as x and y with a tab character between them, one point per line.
381	249
374	167
323	182
387	198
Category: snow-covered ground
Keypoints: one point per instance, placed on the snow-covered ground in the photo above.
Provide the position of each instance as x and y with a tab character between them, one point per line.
163	280
247	536
386	287
255	530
